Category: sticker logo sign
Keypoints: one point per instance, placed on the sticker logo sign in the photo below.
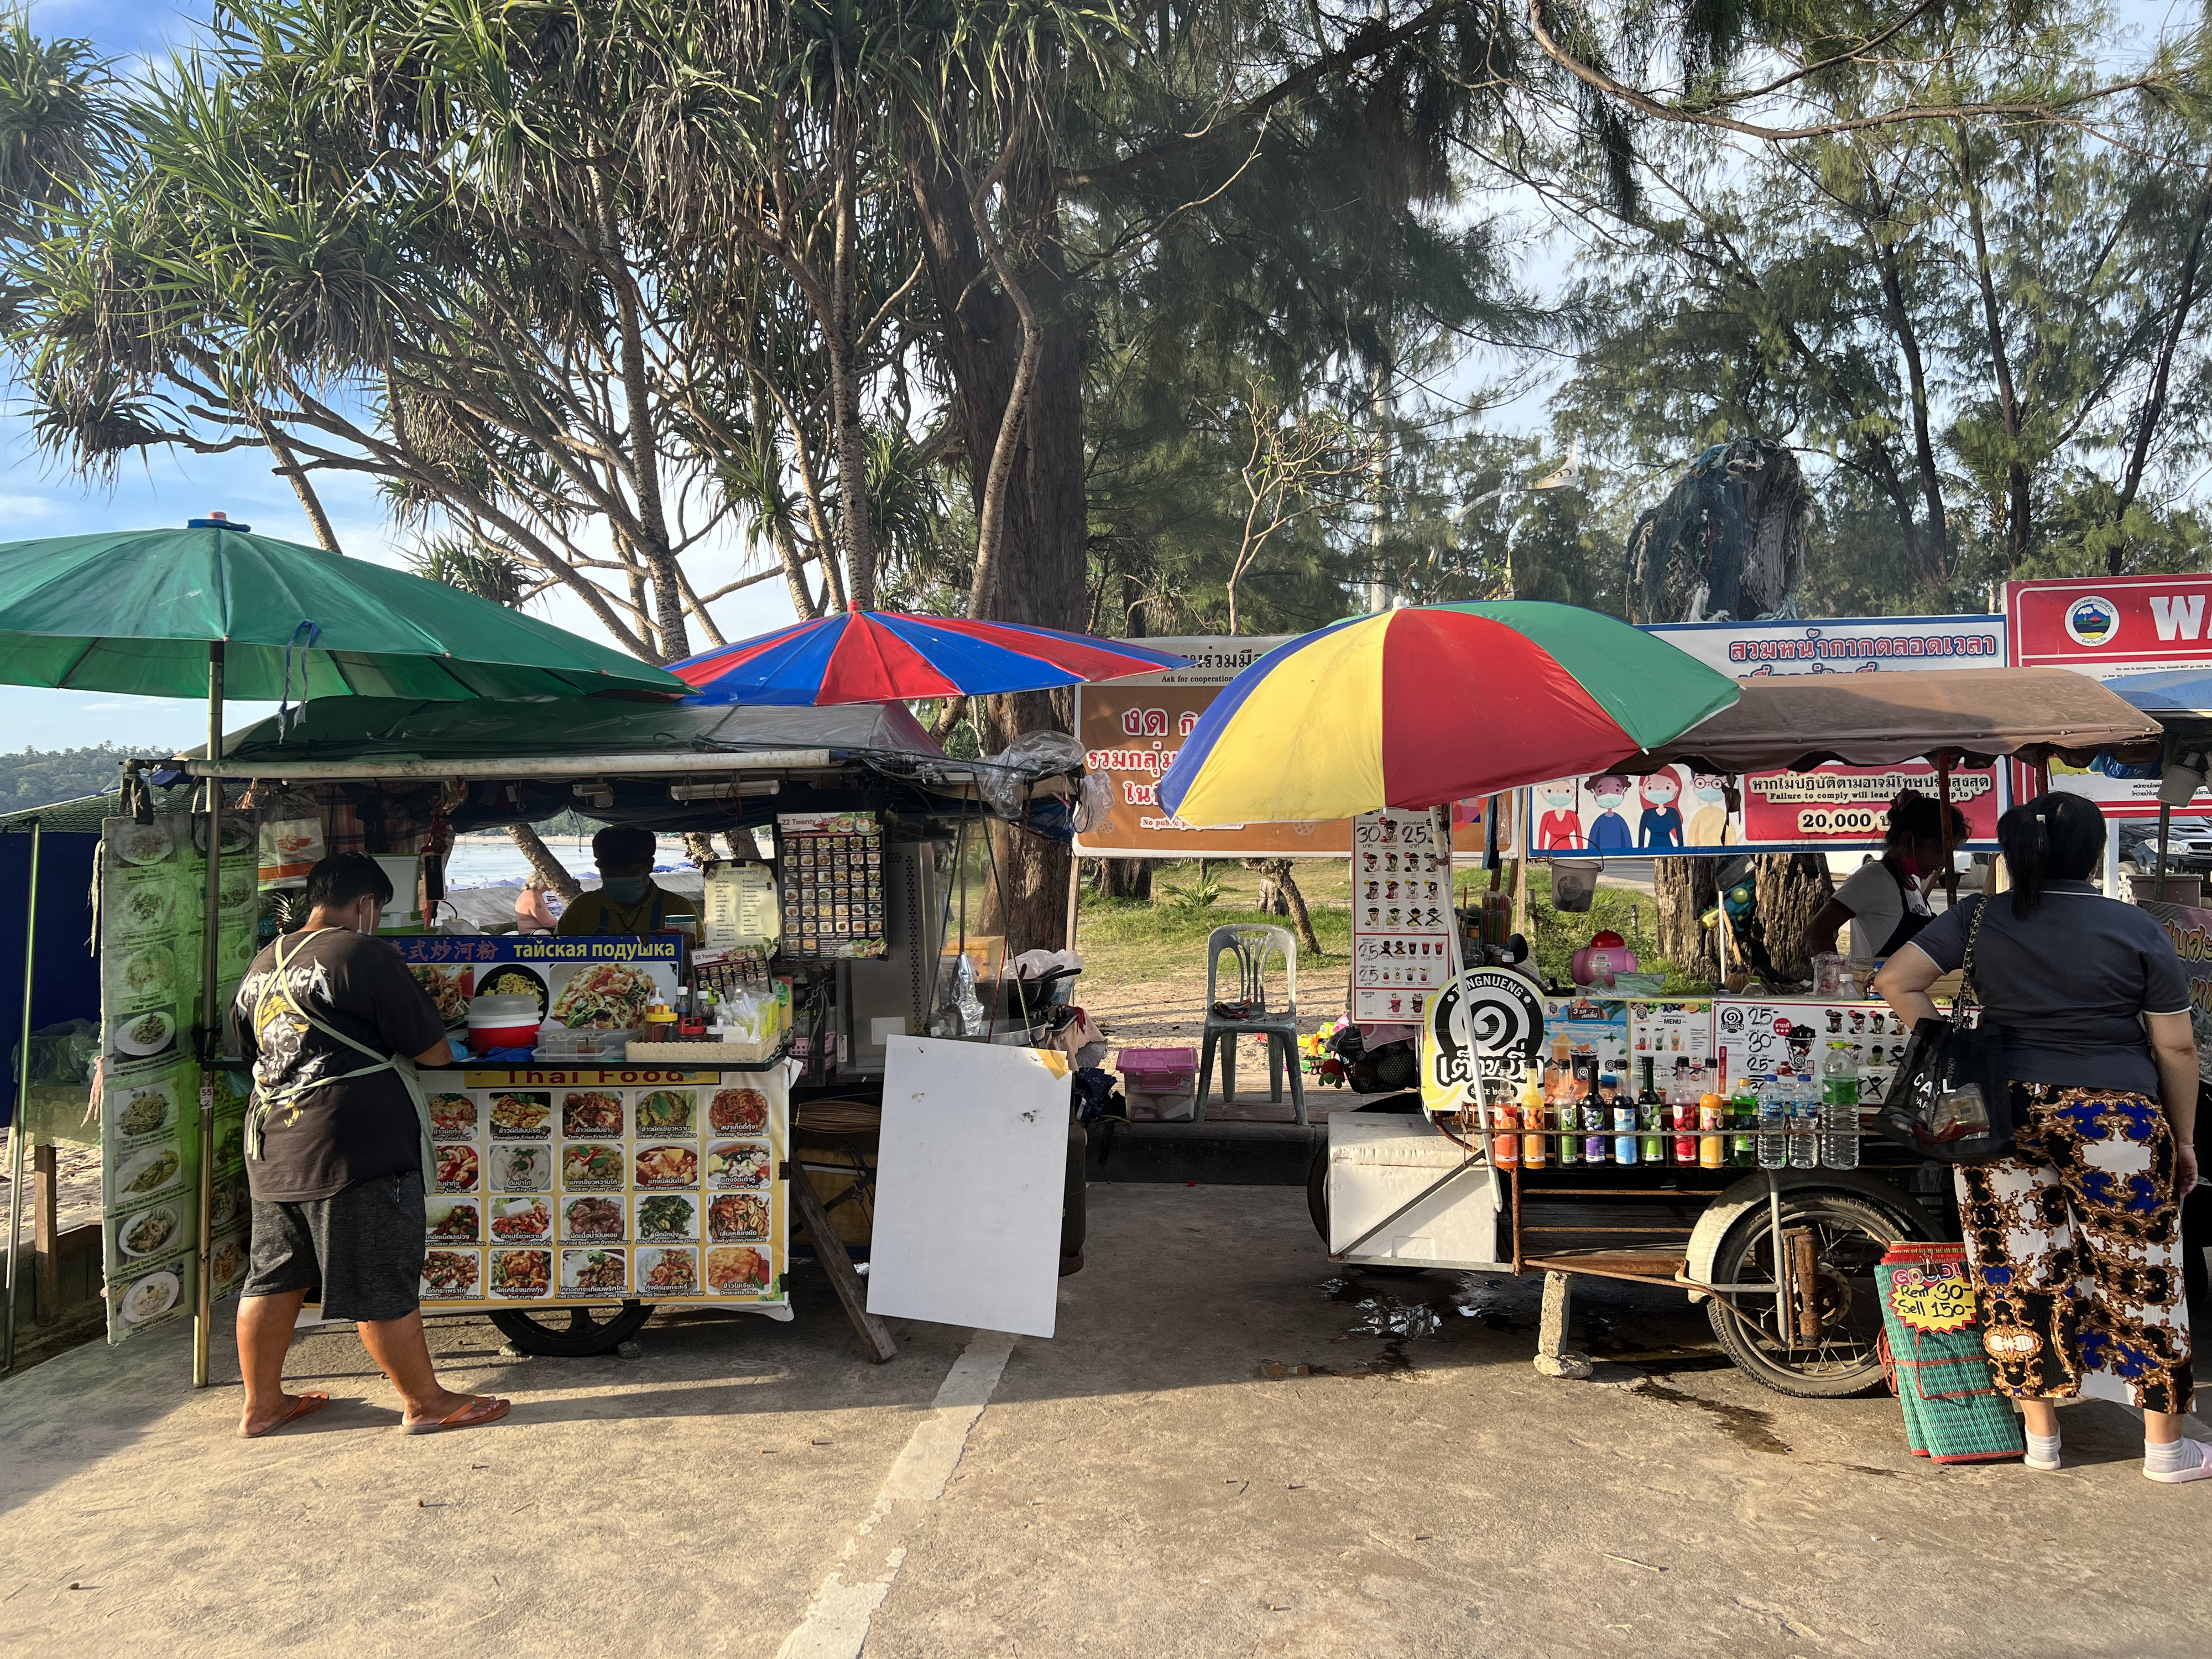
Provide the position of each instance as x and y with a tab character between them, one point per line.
2093	620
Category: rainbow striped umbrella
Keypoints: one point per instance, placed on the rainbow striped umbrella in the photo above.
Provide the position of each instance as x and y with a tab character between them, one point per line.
1434	703
881	656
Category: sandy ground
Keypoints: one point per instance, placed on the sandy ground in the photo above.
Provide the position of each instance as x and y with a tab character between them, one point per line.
1143	1483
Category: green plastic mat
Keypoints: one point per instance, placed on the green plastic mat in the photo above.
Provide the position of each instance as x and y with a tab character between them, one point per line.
1952	1412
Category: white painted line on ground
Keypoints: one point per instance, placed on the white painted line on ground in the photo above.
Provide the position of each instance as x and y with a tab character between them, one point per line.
837	1622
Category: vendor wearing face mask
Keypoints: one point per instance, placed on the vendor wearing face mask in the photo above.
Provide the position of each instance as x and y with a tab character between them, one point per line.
1887	901
627	899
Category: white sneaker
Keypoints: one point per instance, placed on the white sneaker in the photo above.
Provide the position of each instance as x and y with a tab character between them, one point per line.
2175	1477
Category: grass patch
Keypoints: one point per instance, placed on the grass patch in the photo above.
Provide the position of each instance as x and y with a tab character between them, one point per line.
1126	941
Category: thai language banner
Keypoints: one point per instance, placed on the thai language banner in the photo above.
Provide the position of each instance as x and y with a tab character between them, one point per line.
1132	730
1678	810
2107	627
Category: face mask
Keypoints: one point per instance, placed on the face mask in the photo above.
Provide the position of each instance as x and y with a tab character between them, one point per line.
1708	795
624	889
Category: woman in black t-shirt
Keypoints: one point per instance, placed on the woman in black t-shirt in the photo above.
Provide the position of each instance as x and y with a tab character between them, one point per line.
2075	1240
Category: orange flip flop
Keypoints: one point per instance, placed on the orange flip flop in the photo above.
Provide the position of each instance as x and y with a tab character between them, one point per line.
481	1409
304	1404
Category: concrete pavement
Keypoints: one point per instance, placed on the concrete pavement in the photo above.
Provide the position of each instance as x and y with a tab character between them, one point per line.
1159	1479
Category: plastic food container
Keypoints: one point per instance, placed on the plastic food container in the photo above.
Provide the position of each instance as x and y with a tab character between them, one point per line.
502	1022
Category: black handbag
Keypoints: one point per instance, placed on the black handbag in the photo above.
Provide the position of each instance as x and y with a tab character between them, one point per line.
1951	1099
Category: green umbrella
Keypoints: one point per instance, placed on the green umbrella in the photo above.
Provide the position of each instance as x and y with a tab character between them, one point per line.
135	611
213	610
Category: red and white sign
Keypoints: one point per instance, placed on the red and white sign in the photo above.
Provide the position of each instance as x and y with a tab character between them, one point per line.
2107	627
2103	625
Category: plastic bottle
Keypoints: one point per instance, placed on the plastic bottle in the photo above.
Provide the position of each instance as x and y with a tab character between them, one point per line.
1712	1121
1505	1125
1565	1120
1773	1126
1839	1108
1534	1153
1682	1110
1650	1120
1595	1111
1622	1104
1804	1123
1743	1127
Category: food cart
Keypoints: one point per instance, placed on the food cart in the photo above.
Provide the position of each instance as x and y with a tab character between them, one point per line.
1783	1258
580	1187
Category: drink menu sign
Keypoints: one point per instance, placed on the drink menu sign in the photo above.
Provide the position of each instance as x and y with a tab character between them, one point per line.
1401	915
1677	810
2107	627
565	1186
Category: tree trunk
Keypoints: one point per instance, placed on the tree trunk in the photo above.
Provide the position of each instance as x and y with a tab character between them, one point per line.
549	869
1045	530
1280	896
1686	889
1792	888
1127	878
699	847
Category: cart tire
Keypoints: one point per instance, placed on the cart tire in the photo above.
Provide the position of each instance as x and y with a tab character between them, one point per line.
1317	1207
571	1332
1853	1233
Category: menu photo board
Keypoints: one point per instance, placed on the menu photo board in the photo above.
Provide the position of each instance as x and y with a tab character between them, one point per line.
153	898
565	1186
585	982
833	884
1401	914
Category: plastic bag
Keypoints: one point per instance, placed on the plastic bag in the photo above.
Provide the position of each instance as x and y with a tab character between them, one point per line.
1093	803
1004	782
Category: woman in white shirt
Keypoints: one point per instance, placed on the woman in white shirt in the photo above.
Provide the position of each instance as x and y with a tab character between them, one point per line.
1887	901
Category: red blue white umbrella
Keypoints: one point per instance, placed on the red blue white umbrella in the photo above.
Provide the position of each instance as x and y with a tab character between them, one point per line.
881	656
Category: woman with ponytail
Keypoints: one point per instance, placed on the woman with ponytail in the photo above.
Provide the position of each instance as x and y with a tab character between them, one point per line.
1887	901
2074	1240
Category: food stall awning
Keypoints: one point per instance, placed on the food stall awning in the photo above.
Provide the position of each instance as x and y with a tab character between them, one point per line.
1978	714
2169	695
372	737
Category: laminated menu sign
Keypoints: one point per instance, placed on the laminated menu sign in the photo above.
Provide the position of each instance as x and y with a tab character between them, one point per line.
1666	1032
741	907
607	1185
833	884
585	982
153	896
1401	914
1761	1037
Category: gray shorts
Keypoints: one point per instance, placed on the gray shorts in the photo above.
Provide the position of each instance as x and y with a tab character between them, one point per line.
361	1247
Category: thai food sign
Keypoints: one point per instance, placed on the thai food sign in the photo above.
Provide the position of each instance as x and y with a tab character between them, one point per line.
566	1185
584	983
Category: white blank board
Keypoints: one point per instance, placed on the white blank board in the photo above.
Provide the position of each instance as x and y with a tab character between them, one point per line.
970	1181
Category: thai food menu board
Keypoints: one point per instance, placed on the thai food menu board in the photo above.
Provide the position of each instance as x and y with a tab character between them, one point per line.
153	905
564	1186
584	982
833	883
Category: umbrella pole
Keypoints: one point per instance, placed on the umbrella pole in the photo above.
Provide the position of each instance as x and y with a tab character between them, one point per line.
18	1122
210	1038
2165	829
1943	763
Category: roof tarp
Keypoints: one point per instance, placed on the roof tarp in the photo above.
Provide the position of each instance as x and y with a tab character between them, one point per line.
1797	721
375	728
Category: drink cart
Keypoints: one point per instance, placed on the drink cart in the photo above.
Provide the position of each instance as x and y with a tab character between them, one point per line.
1784	1255
609	1168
